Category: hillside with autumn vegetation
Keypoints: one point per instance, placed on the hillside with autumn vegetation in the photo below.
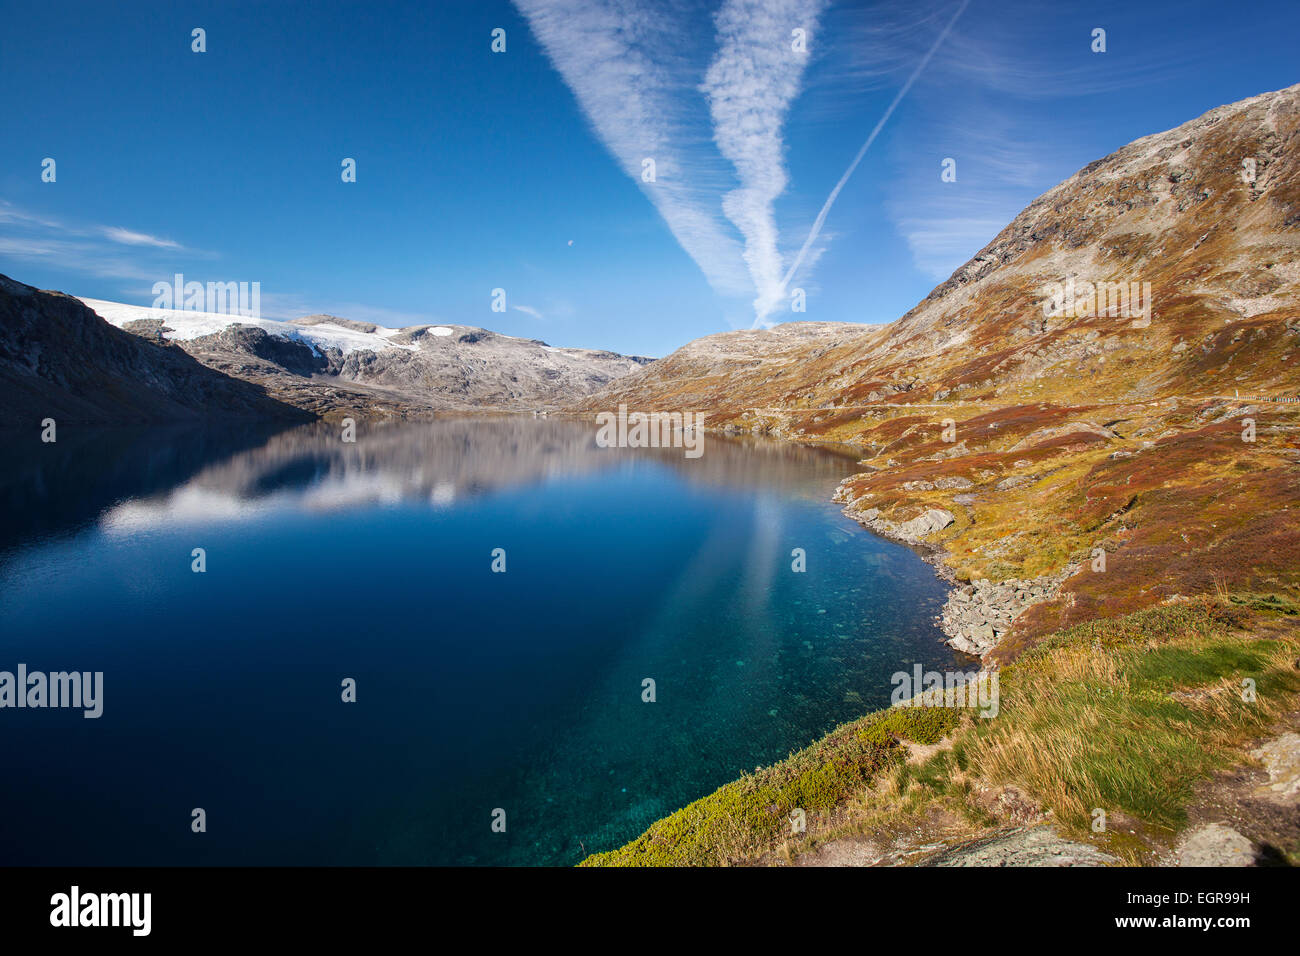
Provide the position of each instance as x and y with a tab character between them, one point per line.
1102	454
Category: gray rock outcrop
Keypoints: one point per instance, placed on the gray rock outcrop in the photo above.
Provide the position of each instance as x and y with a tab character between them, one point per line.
909	532
60	360
976	615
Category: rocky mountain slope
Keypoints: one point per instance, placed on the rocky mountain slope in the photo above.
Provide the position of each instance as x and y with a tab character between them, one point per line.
334	367
59	360
1094	454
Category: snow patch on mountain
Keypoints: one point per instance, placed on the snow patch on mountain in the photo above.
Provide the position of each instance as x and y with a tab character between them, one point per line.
186	325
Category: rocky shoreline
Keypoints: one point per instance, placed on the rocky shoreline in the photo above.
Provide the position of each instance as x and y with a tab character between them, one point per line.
978	613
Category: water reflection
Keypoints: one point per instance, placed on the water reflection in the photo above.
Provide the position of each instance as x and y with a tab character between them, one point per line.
132	479
477	690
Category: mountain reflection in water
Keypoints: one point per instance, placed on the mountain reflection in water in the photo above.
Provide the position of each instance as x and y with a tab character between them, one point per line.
371	561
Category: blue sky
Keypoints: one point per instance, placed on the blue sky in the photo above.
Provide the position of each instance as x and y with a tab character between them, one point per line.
522	170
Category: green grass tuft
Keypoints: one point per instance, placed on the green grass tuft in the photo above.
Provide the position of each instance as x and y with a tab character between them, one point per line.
1125	714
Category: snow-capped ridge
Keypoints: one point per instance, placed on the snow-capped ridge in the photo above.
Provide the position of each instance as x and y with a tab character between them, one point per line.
186	325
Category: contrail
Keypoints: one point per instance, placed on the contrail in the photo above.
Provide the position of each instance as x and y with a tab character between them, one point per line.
618	57
750	85
830	200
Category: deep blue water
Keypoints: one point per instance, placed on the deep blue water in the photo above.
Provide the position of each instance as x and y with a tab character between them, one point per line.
475	690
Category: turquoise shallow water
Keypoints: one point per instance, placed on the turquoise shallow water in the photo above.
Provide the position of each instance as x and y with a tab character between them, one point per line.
475	690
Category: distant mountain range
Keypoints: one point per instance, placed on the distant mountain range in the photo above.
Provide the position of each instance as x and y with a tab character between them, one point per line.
106	362
59	360
334	366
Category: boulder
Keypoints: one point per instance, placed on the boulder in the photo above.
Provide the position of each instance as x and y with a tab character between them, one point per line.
935	519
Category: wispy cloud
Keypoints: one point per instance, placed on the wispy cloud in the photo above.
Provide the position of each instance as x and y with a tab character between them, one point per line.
750	85
129	238
82	257
941	244
93	250
1014	61
140	259
999	169
992	102
630	67
527	310
11	214
642	80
